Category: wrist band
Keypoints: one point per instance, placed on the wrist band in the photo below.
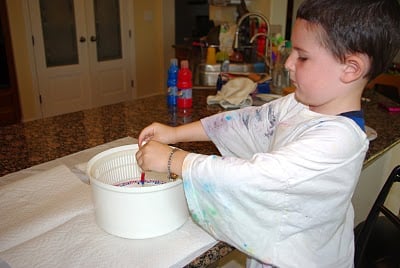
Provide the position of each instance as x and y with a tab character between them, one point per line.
171	176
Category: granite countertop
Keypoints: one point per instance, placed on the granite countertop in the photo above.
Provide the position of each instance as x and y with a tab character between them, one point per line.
31	143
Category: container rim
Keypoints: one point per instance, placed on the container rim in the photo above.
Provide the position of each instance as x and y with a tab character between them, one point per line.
149	189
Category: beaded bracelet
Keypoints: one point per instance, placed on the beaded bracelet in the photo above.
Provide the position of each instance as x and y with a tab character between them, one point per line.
171	175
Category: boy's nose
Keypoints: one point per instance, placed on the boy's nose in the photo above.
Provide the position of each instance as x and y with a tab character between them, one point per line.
289	63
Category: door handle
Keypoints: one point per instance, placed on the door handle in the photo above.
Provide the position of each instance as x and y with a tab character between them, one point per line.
82	39
93	38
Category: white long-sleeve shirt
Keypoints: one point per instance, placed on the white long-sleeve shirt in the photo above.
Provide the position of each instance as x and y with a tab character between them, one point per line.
281	192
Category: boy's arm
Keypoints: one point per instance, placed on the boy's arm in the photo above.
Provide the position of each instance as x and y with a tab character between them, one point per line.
156	155
186	133
170	135
191	132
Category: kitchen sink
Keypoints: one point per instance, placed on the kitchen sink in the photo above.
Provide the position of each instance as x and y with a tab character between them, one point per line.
233	67
207	74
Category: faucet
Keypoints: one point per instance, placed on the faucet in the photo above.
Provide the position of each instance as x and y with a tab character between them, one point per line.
264	18
267	58
242	18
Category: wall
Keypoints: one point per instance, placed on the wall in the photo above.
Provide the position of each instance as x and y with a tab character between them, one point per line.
278	14
23	67
168	37
149	43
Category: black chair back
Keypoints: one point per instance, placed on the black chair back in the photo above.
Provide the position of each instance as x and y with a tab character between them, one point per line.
365	230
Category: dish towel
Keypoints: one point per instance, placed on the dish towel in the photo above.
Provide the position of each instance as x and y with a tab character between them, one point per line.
47	220
234	94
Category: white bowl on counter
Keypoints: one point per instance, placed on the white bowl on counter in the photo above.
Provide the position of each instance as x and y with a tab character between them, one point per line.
126	208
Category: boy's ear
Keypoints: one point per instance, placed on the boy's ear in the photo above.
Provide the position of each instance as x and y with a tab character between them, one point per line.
355	67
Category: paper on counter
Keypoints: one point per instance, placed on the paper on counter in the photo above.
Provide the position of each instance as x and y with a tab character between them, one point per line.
40	203
47	220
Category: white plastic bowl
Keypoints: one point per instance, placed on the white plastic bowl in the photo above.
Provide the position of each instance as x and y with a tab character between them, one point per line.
134	212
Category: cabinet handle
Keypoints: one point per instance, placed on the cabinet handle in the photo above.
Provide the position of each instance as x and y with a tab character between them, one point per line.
82	39
93	38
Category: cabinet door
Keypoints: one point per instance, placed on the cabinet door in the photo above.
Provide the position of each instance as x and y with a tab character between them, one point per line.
80	55
107	22
61	55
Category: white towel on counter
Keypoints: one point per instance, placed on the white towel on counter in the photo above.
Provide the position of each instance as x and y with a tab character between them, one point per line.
40	203
234	94
47	220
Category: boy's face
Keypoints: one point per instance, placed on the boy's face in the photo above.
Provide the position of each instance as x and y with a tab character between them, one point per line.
313	69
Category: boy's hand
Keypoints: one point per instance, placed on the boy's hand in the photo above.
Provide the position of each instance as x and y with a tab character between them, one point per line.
153	156
157	132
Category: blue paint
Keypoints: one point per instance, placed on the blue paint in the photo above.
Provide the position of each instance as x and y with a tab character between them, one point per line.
228	117
209	188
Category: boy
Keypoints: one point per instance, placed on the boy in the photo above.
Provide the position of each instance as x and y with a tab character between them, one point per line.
282	191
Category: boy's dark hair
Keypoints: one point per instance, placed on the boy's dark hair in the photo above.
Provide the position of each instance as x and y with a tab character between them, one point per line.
370	27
